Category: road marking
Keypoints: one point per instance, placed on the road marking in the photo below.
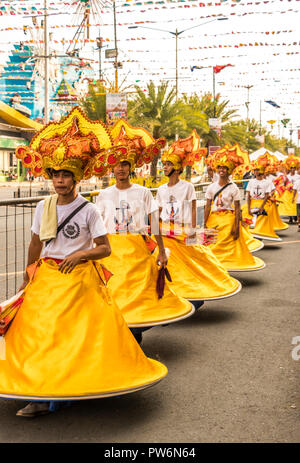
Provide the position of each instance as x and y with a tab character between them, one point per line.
284	242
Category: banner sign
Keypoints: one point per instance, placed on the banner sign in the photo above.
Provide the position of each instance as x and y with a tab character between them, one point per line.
116	107
212	149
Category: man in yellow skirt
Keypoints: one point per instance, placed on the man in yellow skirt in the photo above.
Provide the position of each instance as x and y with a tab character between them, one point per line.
68	340
222	211
257	206
196	272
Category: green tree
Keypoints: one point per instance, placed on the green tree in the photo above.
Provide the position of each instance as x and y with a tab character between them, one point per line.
160	113
212	109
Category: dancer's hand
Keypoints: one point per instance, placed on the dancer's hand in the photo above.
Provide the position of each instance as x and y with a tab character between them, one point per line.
250	213
162	259
70	262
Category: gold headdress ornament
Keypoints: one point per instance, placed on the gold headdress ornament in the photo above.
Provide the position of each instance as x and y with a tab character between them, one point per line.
184	151
75	144
230	157
135	145
240	171
291	161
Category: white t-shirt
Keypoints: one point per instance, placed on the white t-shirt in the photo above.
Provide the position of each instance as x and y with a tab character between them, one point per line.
225	200
296	187
293	178
176	202
258	188
269	181
125	211
77	234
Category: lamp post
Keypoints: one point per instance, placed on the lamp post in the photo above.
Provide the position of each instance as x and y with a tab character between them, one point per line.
46	66
176	34
99	47
248	103
116	48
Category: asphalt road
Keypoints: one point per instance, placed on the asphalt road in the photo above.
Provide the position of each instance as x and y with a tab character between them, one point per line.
231	376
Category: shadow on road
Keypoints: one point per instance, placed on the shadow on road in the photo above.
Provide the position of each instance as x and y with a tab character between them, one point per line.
165	347
272	247
210	316
249	282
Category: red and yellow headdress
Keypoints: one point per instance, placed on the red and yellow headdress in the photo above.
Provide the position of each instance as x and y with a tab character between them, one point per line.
230	157
264	163
291	162
75	144
184	151
135	145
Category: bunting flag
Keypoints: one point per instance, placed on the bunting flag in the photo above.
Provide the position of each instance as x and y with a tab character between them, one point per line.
272	103
218	69
197	67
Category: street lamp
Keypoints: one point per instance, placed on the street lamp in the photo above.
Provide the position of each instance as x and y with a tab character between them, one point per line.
248	87
177	33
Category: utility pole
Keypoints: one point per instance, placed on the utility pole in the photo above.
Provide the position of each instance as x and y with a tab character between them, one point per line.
116	48
46	66
99	46
214	91
176	38
260	117
248	101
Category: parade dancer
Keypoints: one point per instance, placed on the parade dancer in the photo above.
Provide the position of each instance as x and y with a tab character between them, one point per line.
296	193
196	272
272	203
222	211
68	340
286	206
256	207
126	209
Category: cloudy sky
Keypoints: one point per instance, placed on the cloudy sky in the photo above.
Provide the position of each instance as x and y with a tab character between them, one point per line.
259	39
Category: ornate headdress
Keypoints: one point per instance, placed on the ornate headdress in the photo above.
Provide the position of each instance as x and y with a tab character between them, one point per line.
264	162
75	144
230	157
184	151
291	161
135	145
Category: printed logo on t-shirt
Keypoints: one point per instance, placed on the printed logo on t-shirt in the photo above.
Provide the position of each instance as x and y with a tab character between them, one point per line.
219	201
172	209
71	231
258	192
123	217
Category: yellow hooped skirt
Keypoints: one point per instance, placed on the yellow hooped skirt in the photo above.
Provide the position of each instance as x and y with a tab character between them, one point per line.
233	254
287	207
278	224
196	272
133	285
69	341
264	228
253	243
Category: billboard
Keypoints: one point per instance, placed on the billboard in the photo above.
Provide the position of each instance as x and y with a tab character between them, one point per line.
116	107
110	53
215	124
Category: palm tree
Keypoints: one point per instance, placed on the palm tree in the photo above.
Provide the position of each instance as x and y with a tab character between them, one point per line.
212	109
160	113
